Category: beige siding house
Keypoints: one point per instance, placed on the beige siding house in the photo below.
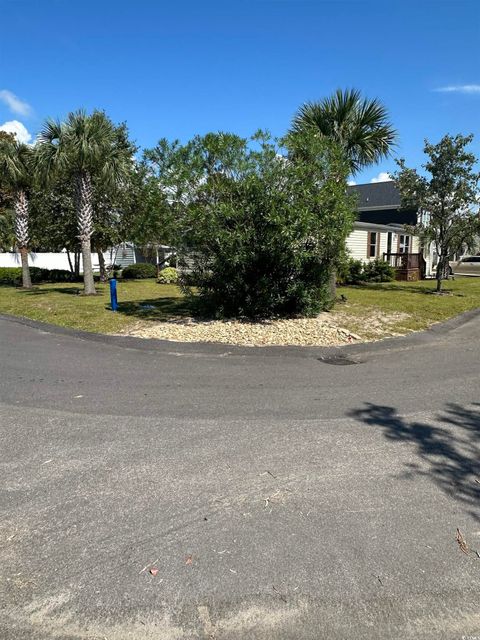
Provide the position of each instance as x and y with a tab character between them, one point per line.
381	231
369	241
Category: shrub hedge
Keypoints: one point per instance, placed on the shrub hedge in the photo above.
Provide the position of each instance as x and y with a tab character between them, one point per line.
356	271
139	270
378	271
12	276
169	275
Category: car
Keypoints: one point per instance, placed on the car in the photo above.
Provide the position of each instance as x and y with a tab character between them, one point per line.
466	266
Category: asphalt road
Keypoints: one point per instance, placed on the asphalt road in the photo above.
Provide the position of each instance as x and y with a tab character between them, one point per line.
280	493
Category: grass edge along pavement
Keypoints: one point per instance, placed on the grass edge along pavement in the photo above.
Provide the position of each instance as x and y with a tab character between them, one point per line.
370	311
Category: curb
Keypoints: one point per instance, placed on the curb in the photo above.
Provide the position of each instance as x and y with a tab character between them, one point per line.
168	347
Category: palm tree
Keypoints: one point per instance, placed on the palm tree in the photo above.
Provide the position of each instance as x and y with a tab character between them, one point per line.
358	125
16	168
84	147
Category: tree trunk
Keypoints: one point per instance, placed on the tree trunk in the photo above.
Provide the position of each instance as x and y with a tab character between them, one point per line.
70	262
333	284
441	268
26	280
88	281
101	262
21	235
76	258
83	193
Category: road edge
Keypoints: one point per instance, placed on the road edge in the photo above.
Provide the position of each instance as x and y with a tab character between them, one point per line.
410	340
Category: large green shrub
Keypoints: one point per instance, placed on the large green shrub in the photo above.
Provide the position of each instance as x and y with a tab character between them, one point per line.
261	222
169	275
139	271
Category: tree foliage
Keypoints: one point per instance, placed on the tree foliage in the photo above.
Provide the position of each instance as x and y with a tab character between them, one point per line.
7	222
446	197
261	222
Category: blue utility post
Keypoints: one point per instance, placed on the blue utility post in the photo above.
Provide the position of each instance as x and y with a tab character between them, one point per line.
113	294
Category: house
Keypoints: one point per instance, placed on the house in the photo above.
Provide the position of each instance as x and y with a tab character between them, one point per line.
379	231
128	253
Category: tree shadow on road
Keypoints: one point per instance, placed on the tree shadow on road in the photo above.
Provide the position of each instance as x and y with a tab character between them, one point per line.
449	448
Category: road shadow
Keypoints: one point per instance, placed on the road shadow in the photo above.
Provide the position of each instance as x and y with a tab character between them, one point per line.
166	308
448	448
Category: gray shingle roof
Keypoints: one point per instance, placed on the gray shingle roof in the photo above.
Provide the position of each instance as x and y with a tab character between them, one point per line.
376	194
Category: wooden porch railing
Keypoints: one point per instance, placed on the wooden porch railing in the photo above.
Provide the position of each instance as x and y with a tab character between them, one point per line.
406	262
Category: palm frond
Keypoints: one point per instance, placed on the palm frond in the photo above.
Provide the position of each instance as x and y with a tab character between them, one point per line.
16	163
360	126
82	144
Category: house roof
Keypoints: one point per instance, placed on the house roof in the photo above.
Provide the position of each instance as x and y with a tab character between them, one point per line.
376	195
373	226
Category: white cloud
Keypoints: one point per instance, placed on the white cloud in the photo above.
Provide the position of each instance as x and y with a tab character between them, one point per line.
351	183
17	106
18	129
383	176
460	88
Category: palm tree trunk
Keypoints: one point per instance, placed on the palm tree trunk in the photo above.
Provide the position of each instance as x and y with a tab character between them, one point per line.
26	280
76	263
85	228
21	235
88	281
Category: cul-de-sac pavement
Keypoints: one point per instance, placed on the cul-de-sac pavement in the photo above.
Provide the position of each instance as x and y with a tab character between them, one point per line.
159	490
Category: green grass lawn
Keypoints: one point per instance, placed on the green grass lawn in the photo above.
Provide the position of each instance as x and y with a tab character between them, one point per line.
61	304
414	303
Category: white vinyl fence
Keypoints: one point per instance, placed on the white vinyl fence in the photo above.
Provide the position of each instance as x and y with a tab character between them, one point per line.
47	260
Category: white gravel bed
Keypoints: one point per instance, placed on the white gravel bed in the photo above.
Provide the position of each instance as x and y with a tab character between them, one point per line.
319	331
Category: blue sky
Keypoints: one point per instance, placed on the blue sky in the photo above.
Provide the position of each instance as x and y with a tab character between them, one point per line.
175	69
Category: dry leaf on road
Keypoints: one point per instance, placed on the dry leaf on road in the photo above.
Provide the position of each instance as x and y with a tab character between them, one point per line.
462	543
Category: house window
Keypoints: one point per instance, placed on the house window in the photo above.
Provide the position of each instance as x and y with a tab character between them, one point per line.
373	242
403	244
